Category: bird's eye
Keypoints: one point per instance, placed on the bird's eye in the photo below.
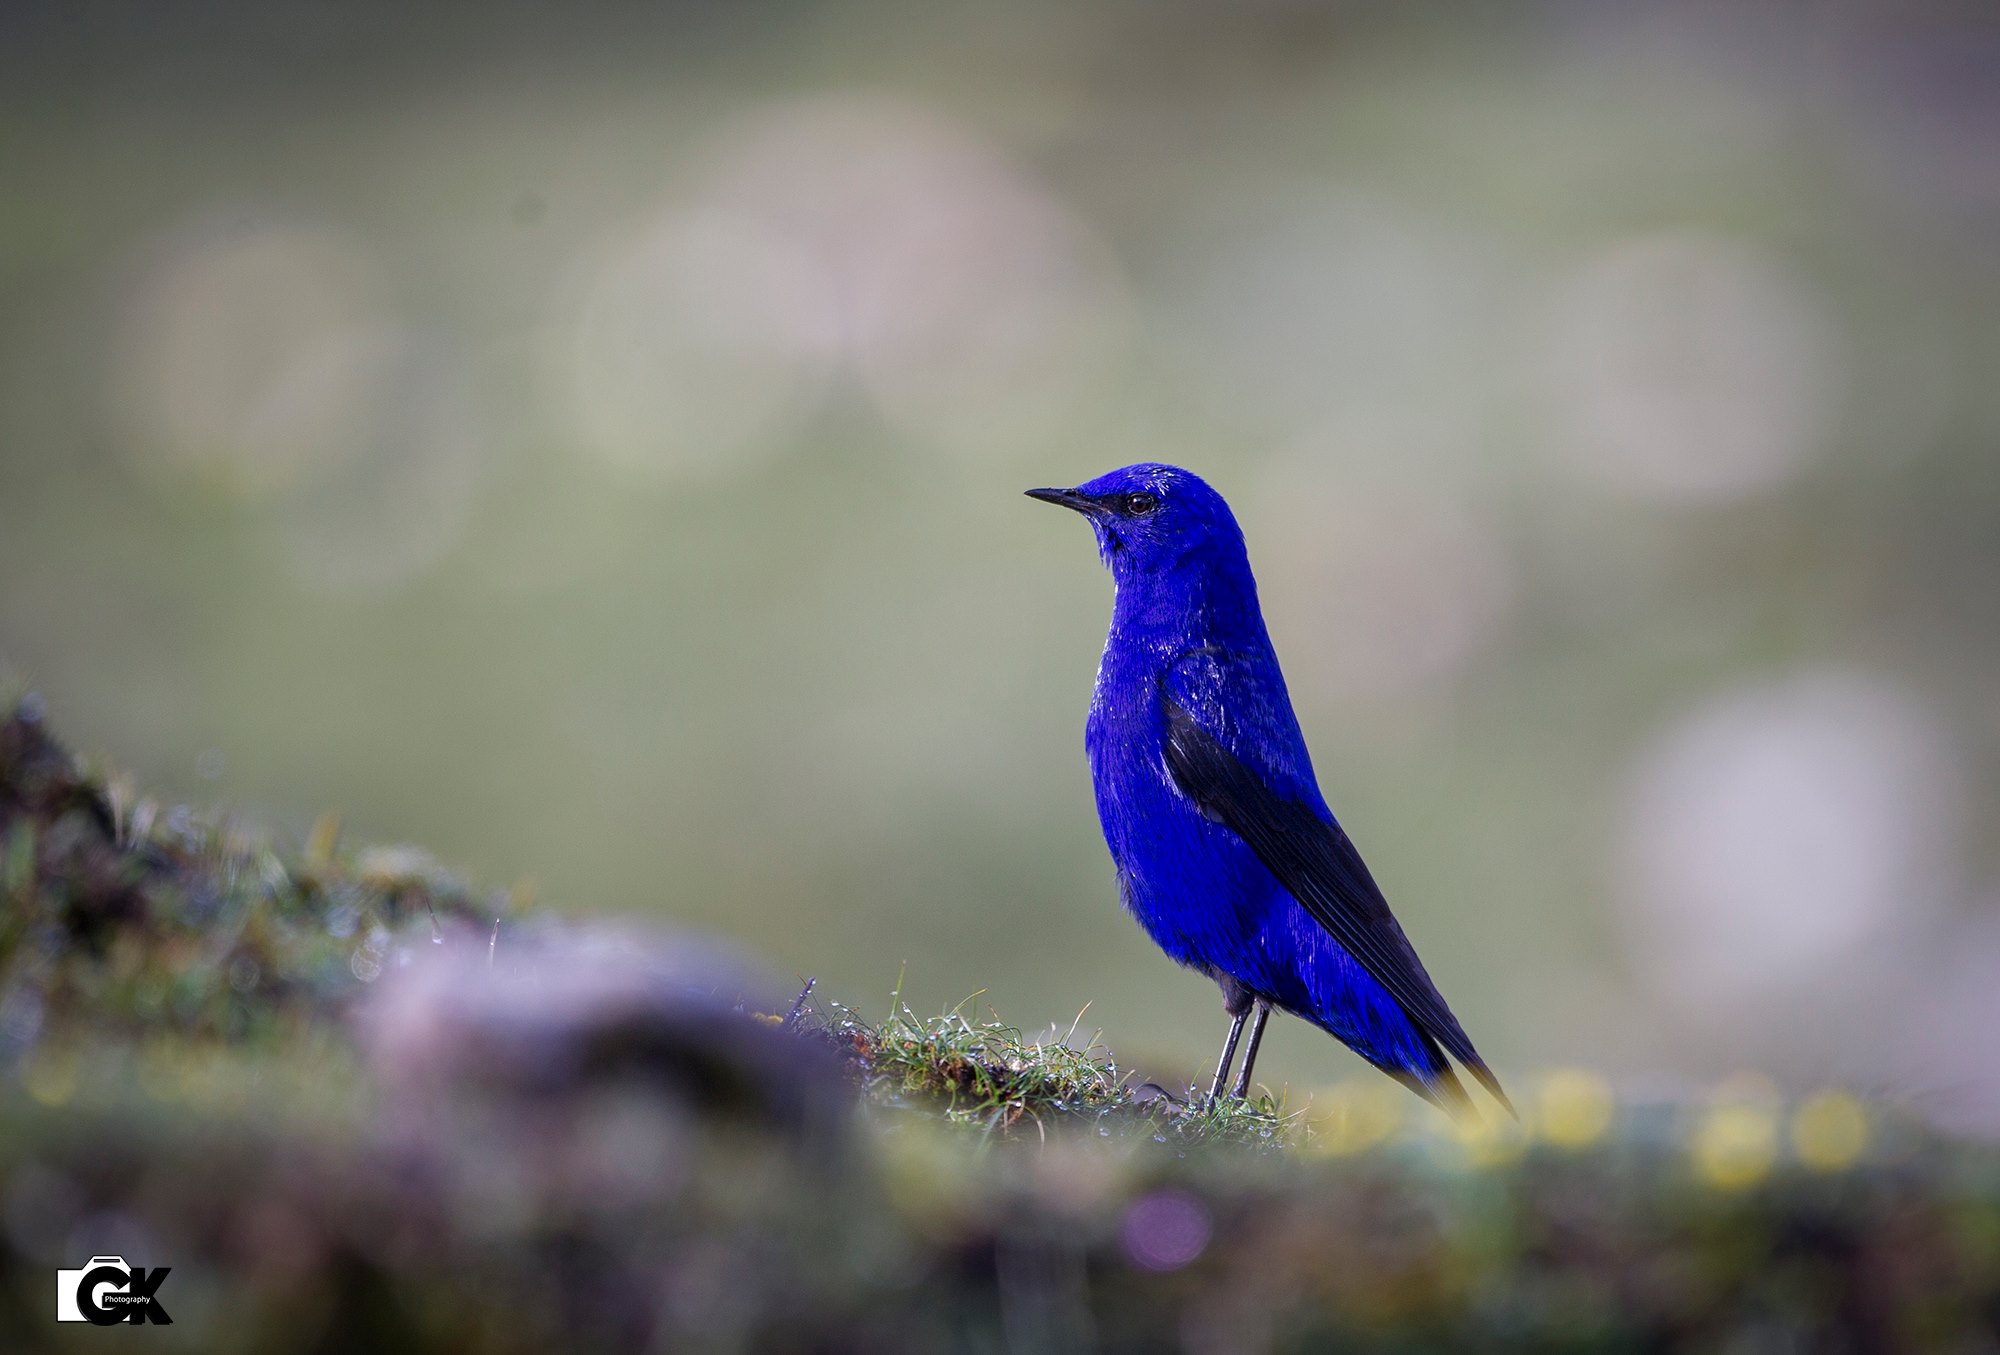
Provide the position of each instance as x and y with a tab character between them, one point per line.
1139	505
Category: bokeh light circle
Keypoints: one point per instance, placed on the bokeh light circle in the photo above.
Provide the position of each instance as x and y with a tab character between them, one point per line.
1381	592
1166	1230
858	235
224	310
696	343
382	426
1773	833
1691	367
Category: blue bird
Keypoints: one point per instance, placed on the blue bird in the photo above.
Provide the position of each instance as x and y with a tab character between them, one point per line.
1226	852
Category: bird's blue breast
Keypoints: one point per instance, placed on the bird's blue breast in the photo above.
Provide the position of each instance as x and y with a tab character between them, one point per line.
1192	884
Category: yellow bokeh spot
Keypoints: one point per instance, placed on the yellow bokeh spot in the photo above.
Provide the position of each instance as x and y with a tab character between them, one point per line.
50	1076
1830	1131
1735	1144
1574	1107
1491	1140
322	841
1352	1117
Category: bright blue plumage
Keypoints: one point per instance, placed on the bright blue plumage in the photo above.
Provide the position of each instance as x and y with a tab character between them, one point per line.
1226	852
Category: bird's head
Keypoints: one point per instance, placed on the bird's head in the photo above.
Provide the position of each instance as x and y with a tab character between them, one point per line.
1150	517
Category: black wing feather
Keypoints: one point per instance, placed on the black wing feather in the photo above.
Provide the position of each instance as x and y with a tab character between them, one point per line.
1318	866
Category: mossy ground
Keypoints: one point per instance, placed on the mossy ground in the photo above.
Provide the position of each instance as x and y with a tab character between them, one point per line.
182	1071
993	1078
128	918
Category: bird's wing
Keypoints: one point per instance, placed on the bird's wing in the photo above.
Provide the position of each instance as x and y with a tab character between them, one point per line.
1318	866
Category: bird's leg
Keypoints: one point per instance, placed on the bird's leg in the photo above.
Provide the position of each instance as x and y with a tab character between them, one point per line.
1242	1087
1228	1054
1237	1001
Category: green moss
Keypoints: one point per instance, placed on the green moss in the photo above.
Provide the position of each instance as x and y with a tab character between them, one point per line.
991	1076
122	916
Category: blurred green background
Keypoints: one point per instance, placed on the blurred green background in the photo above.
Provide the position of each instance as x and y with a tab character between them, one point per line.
589	443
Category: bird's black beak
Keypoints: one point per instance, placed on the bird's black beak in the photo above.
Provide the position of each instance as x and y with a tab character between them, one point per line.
1069	498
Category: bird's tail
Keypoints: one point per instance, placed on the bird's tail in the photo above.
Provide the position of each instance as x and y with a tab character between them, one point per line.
1479	1070
1440	1087
1434	1079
